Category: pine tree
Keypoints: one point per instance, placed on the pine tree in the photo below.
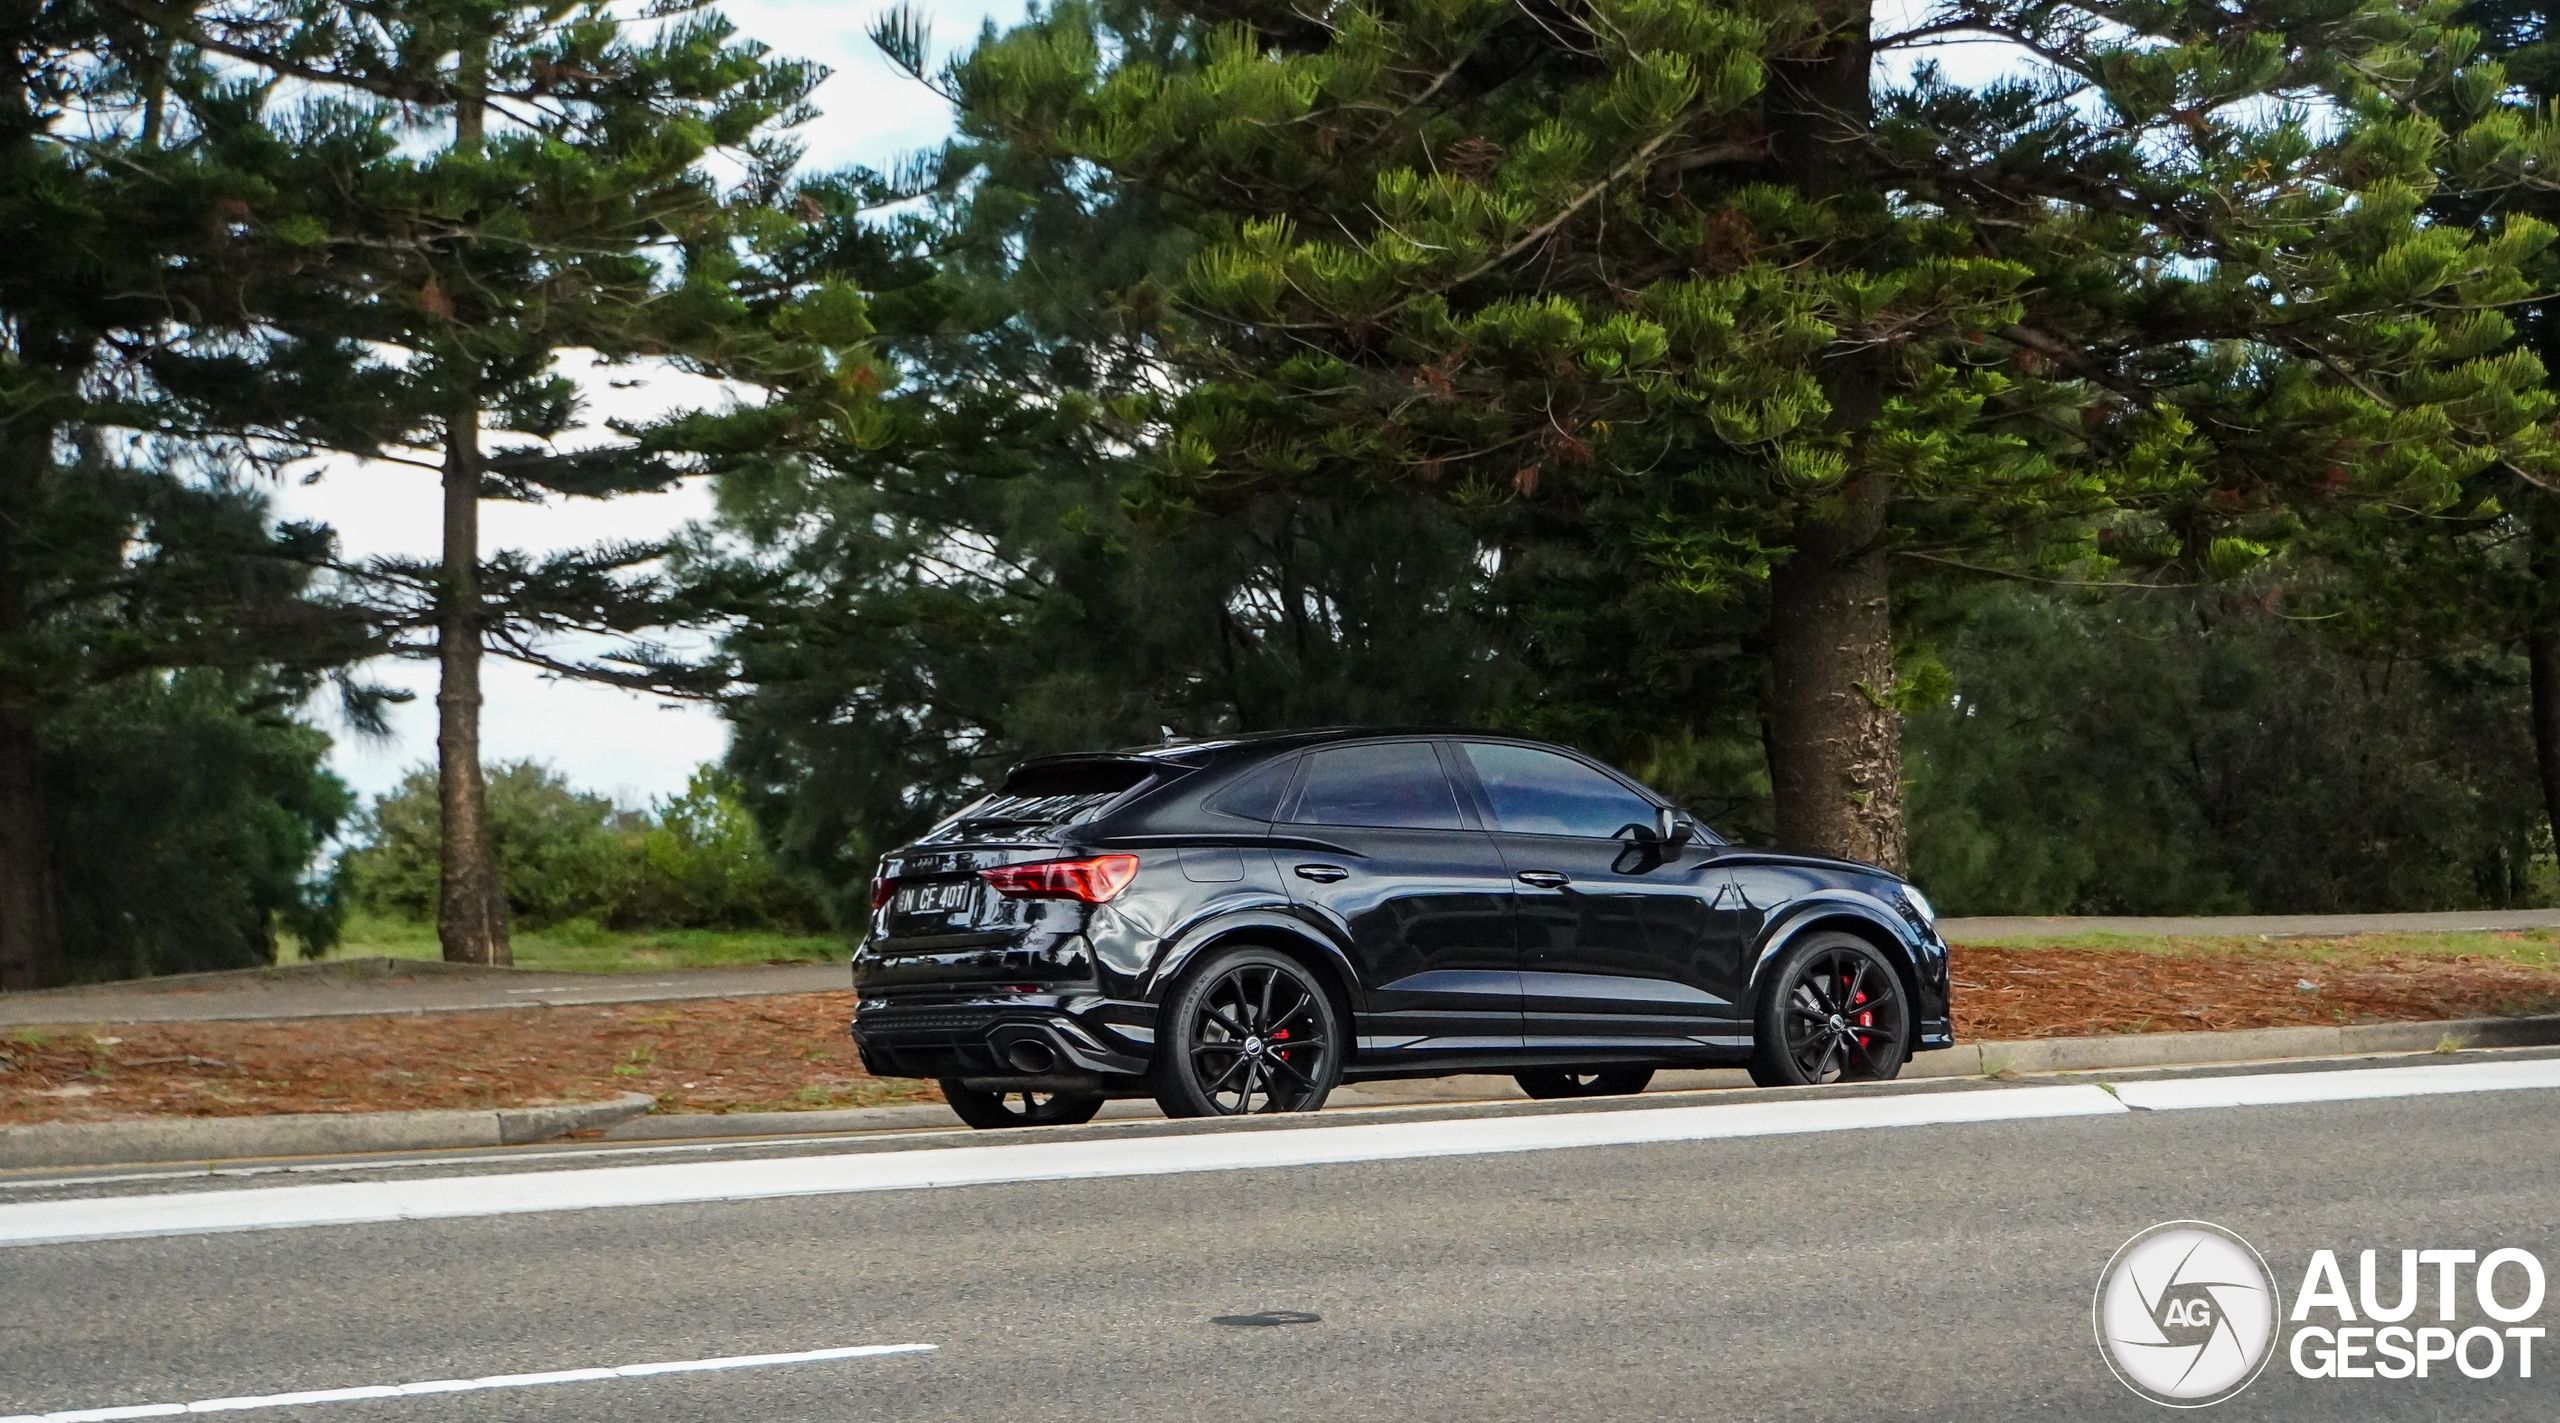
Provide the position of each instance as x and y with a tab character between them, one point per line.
130	542
951	583
1713	267
477	187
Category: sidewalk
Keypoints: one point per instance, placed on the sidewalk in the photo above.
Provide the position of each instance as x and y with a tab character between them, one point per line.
351	988
369	987
2241	926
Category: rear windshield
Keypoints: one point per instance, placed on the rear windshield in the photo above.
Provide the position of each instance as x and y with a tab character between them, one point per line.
1059	793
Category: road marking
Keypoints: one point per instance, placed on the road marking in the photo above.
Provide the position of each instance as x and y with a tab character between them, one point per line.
678	1183
2275	1089
412	1390
694	1182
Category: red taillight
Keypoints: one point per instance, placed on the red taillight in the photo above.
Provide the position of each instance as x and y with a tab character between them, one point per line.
882	886
1092	881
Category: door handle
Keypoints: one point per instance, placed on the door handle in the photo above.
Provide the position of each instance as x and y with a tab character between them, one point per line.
1546	879
1323	874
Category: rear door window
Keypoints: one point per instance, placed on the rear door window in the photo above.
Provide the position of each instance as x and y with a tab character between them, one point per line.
1535	792
1395	785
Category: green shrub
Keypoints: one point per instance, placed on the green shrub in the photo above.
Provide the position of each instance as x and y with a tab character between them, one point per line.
577	861
185	810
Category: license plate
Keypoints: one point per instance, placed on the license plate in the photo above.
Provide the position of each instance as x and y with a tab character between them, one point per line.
953	898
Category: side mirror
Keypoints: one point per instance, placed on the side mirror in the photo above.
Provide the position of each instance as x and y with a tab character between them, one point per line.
1673	828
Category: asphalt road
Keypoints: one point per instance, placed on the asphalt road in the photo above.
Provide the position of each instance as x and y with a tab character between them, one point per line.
1939	1272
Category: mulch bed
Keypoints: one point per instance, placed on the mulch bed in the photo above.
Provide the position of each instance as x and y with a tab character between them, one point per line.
791	1053
720	1055
2006	994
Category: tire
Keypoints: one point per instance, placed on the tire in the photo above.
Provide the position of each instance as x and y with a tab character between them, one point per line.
1217	1037
1834	1011
1549	1083
988	1111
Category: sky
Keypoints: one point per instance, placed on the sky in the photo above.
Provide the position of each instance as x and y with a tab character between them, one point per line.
633	747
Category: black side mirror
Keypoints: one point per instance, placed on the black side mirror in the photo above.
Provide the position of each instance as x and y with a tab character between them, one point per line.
1673	828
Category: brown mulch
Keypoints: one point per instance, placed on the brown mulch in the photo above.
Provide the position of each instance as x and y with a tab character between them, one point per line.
721	1055
2006	994
791	1053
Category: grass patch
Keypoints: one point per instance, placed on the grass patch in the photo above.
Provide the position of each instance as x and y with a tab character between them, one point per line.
2533	948
580	946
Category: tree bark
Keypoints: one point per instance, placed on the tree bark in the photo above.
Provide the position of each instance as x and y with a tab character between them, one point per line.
471	906
2542	653
30	941
1834	740
30	938
1835	743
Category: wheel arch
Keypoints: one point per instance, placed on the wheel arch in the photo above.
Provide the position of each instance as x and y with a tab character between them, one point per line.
1279	933
1881	929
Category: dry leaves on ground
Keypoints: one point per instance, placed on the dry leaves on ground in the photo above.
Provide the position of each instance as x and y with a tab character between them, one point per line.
709	1056
2005	994
786	1053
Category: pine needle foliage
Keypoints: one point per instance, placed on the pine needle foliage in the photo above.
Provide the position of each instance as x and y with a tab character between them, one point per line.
1743	288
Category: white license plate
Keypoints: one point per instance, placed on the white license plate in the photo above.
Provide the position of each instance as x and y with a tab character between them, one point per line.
953	898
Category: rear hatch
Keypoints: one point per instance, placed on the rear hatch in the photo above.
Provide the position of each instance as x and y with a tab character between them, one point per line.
933	898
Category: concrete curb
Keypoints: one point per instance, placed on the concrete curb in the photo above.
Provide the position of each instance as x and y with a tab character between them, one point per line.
190	1139
2247	1045
187	1139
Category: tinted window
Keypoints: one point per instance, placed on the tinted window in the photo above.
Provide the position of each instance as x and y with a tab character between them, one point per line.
1257	795
1397	785
1541	793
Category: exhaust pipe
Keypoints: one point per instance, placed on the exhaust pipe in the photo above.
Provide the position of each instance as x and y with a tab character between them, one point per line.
1031	1056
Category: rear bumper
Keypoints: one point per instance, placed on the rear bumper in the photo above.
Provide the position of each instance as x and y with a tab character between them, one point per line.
1002	1036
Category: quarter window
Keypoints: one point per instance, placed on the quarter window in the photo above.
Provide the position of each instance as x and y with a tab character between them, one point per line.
1398	785
1541	793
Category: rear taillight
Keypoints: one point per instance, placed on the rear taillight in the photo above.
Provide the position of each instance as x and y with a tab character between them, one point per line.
1092	881
882	886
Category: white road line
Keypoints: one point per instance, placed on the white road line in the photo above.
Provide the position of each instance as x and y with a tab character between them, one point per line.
2274	1089
453	1197
412	1390
679	1183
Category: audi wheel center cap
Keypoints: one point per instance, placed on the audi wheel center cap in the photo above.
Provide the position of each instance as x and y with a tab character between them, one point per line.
2186	1314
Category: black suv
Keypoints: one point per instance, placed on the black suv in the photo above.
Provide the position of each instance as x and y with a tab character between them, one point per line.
1238	926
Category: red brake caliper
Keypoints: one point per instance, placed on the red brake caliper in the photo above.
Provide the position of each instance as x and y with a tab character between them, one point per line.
1865	1020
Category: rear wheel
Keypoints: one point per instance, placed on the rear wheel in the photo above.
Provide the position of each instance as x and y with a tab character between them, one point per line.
989	1110
1248	1031
1834	1012
1546	1084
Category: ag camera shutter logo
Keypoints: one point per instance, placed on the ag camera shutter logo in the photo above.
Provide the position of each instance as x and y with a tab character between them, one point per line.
2186	1314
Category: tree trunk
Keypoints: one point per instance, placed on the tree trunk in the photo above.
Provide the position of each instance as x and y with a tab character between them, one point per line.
471	907
1835	743
2542	653
30	941
1834	740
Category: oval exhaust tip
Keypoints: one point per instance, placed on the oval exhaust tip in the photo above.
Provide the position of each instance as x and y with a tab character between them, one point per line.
1028	1055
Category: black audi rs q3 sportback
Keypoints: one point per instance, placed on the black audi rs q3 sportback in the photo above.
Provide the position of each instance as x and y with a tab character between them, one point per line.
1239	926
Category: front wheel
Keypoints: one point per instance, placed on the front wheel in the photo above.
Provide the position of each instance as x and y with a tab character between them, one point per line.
1548	1084
1834	1012
990	1110
1248	1031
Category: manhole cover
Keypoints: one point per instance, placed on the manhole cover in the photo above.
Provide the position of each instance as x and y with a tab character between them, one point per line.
1268	1318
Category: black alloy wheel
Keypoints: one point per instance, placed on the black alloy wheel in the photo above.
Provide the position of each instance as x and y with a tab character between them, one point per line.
990	1110
1549	1083
1834	1012
1248	1031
